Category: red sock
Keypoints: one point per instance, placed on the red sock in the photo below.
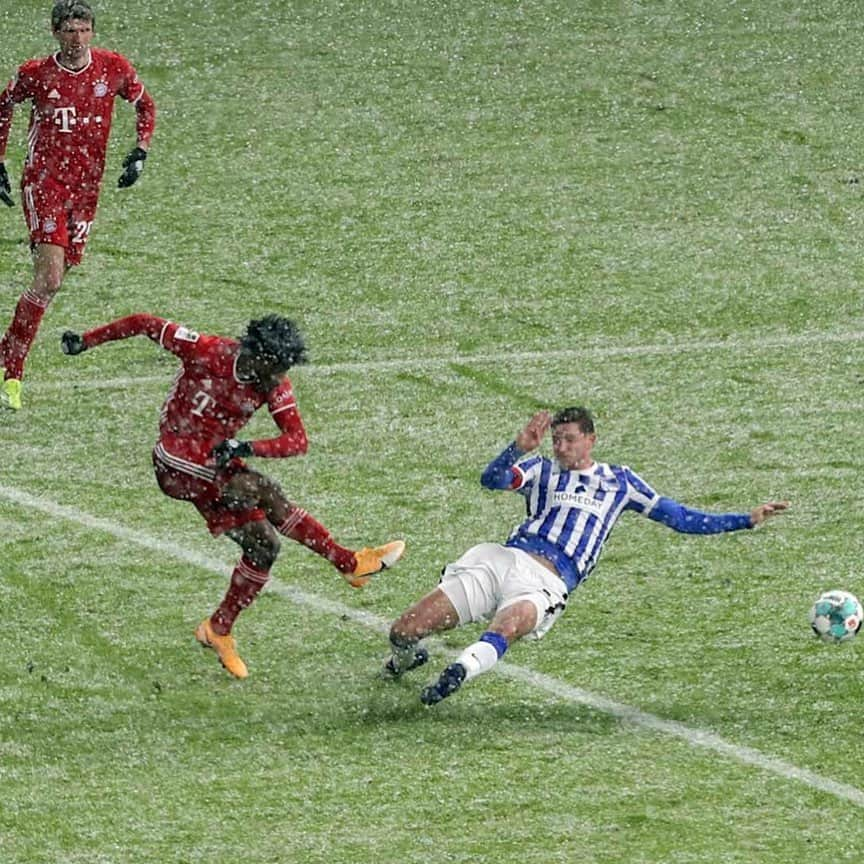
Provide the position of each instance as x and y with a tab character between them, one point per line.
246	581
21	333
305	529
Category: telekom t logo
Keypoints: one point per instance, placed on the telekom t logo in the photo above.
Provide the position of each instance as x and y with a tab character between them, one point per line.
65	118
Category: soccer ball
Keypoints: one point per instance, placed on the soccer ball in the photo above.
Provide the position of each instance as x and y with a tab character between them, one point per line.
836	616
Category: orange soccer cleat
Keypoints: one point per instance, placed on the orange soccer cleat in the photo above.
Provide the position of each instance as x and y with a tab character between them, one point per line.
224	646
372	561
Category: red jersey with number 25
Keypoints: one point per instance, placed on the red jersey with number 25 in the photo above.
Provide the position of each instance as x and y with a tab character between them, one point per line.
209	402
70	118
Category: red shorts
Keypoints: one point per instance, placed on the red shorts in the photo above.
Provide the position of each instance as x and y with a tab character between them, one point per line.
59	215
202	485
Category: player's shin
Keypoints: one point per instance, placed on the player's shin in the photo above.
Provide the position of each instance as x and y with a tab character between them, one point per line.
303	528
405	654
21	333
247	581
473	661
402	652
483	654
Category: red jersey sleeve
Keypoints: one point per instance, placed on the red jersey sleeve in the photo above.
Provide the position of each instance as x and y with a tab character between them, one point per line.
145	118
17	90
185	343
283	409
140	324
132	90
188	345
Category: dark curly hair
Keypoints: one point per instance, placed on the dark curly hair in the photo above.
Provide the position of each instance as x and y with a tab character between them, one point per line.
576	414
275	339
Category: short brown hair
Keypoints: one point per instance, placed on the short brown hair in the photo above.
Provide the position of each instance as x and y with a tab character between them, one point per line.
582	417
67	10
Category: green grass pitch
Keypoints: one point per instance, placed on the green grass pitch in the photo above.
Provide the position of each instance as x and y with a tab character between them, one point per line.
474	210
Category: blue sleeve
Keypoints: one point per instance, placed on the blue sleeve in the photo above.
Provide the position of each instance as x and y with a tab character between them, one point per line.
688	521
498	474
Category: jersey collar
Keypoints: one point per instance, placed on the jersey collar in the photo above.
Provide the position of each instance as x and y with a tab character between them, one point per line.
84	68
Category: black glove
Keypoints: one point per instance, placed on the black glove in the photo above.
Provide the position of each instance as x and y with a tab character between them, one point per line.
5	187
230	449
72	343
133	165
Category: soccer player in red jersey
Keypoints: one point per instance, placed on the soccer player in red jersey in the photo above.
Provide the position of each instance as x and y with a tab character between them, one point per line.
72	95
221	385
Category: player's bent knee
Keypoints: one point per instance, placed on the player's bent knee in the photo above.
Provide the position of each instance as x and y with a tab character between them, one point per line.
268	549
516	620
261	543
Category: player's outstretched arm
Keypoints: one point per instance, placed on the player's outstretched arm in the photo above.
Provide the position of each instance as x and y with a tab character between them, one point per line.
765	511
140	324
687	520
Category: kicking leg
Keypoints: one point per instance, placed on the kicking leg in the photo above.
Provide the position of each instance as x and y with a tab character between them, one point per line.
295	523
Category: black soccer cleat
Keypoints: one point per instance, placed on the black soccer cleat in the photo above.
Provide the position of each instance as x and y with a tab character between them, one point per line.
450	681
421	658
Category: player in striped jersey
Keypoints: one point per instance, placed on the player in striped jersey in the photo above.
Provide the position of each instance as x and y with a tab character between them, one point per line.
221	384
572	504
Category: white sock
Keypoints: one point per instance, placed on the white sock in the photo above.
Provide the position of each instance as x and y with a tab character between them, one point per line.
477	659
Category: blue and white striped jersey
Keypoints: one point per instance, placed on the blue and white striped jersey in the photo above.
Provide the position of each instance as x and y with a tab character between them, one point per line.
571	513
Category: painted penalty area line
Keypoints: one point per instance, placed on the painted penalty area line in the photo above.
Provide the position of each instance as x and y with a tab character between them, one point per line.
554	687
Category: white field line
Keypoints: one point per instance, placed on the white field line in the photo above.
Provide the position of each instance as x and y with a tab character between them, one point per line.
427	362
552	686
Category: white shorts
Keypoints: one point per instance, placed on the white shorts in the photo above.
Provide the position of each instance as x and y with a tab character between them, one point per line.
490	577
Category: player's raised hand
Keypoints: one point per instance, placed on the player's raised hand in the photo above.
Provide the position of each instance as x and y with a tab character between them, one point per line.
72	343
531	437
230	449
133	165
5	187
765	511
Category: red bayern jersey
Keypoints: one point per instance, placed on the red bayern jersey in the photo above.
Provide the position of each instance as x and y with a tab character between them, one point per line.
71	114
209	402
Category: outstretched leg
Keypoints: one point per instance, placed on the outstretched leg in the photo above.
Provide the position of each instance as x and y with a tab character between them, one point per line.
249	488
509	624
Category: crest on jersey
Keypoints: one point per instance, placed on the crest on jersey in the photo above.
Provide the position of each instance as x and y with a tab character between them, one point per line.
186	335
100	88
49	226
